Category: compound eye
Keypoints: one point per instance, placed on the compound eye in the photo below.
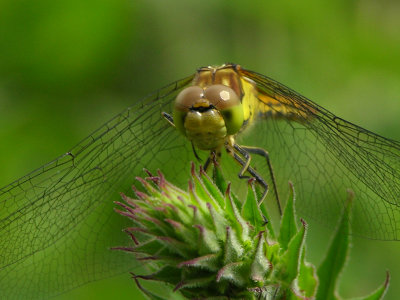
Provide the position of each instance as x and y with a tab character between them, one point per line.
187	97
228	104
221	96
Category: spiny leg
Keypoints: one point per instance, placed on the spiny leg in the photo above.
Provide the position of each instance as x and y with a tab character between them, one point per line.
244	150
169	118
211	157
264	153
195	153
207	163
246	167
215	157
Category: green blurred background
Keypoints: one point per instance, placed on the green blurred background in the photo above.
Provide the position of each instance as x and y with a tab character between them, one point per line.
68	66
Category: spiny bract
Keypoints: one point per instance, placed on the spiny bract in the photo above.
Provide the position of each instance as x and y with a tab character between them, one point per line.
209	245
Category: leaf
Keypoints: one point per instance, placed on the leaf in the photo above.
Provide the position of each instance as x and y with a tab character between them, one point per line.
195	283
380	292
206	262
213	190
218	178
233	250
219	222
166	274
267	221
200	190
233	273
291	258
332	265
260	264
288	223
307	278
208	241
238	223
251	210
147	293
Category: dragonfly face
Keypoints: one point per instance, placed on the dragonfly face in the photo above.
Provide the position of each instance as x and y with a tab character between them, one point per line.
57	223
208	116
210	112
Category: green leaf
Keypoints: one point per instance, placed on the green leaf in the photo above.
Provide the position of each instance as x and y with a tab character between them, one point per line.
288	223
294	295
273	253
166	274
150	246
208	242
150	189
182	232
232	272
200	191
250	210
236	200
213	190
146	292
307	278
267	221
175	246
218	178
260	264
219	222
379	293
233	250
291	258
194	283
332	265
238	222
207	262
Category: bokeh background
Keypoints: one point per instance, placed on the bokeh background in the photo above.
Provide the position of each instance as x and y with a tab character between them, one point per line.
66	67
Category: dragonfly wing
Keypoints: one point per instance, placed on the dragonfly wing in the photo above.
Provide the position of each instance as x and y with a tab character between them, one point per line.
57	223
324	155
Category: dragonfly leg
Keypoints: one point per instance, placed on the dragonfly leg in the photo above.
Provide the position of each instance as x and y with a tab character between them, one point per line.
207	163
169	118
265	154
214	157
247	161
195	154
237	152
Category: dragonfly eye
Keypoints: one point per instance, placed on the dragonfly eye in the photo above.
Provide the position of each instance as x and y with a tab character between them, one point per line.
188	97
228	104
221	96
183	102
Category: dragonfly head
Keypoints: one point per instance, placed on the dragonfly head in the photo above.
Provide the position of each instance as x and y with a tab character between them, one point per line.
207	115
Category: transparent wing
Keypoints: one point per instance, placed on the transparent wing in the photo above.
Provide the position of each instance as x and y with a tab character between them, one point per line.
324	155
57	223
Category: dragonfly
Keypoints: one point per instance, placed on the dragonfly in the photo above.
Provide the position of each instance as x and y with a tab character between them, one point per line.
57	223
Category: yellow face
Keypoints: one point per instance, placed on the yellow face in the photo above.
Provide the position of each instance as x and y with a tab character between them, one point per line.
207	115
